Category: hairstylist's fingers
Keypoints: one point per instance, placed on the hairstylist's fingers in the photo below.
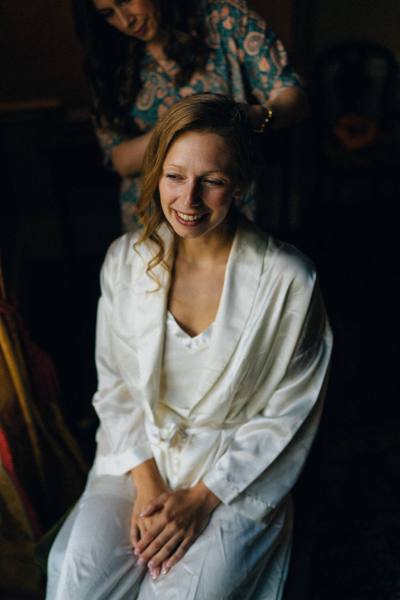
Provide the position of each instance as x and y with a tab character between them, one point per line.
154	506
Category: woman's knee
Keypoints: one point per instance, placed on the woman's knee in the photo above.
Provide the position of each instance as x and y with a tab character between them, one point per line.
94	540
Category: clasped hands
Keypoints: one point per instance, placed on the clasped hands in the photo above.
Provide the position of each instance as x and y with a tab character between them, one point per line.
164	527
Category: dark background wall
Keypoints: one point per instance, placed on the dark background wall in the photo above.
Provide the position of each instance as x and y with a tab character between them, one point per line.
39	54
340	20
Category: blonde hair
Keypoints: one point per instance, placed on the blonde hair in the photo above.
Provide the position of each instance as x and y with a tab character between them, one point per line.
208	113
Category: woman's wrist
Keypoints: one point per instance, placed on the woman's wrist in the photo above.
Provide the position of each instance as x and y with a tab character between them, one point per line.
147	475
266	121
259	116
206	497
289	107
256	115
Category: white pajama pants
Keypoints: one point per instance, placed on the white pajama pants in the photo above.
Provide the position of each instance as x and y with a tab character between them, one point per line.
235	558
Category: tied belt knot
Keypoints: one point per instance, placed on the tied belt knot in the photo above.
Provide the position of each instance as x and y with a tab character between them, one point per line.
170	435
174	433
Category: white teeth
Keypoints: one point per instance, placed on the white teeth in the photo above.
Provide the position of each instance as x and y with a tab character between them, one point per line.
188	217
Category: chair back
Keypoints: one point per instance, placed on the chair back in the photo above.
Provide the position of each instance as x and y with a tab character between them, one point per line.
353	95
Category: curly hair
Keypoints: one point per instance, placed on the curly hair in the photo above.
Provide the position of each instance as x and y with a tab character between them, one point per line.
112	59
208	113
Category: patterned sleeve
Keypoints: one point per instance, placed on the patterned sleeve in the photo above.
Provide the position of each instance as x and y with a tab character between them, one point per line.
261	54
107	139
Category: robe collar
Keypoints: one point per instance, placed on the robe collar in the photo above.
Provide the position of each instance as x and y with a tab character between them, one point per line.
241	282
242	278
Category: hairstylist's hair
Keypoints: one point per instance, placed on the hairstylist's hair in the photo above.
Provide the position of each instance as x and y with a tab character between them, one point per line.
208	113
112	59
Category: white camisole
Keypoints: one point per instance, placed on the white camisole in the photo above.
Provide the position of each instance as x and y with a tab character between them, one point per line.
183	354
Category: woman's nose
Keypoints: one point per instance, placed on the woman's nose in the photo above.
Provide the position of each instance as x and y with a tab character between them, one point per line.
125	18
192	195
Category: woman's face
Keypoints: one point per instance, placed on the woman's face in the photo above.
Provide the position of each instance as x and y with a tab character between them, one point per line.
197	184
135	18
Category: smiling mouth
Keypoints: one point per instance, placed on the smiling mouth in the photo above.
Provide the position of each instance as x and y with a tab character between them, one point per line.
189	220
141	30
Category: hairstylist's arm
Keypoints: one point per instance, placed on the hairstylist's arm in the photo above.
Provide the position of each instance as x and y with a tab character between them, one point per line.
289	107
127	156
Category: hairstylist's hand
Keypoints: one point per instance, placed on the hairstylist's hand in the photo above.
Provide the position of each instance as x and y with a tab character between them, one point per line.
179	518
255	114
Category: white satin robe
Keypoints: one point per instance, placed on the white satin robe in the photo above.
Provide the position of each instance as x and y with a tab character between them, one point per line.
253	418
269	356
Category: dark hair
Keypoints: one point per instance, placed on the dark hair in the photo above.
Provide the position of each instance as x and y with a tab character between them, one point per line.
112	59
211	113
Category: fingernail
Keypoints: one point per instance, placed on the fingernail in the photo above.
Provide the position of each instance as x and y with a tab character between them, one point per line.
153	574
151	564
141	561
164	570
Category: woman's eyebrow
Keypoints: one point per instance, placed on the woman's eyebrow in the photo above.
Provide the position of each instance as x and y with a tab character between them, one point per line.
209	172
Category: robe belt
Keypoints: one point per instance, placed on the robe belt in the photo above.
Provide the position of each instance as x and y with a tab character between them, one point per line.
174	433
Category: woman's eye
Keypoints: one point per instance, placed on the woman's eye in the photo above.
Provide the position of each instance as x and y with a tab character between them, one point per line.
214	181
173	176
106	14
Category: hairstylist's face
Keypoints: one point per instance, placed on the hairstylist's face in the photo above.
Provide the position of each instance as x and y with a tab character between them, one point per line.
135	18
196	186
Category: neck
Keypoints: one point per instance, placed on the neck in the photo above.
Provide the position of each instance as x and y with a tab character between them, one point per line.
213	248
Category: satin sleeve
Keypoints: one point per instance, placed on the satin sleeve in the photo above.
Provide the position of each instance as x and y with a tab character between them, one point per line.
122	442
267	453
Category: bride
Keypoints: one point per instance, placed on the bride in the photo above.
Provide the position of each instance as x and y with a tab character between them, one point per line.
212	354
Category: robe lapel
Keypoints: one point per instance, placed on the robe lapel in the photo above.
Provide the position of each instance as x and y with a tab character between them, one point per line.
143	314
149	324
242	278
139	321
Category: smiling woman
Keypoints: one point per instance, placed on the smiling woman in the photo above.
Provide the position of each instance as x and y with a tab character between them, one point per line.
197	186
135	18
210	389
